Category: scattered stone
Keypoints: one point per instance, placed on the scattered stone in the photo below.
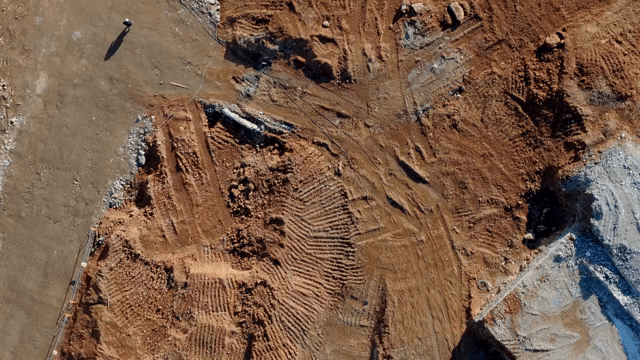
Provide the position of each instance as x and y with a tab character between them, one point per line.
552	41
248	118
325	24
135	148
529	236
483	285
404	8
133	152
211	8
8	133
456	12
417	9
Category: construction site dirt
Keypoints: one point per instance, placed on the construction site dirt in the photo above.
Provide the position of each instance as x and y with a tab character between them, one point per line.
322	179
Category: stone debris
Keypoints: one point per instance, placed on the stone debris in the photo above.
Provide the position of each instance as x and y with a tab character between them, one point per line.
136	146
9	125
325	24
615	186
255	121
456	12
404	8
552	41
417	9
414	9
248	84
116	193
133	152
208	8
240	120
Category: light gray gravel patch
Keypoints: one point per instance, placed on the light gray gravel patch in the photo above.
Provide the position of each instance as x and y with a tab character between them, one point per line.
133	152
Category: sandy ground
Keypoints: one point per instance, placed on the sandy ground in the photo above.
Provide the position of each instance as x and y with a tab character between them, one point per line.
77	110
377	228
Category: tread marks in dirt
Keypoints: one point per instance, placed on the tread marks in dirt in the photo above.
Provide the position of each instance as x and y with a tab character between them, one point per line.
327	40
260	287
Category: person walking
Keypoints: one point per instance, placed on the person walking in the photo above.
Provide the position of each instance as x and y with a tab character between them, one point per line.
127	23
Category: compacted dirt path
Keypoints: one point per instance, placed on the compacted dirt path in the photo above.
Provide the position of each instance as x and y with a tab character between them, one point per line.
77	109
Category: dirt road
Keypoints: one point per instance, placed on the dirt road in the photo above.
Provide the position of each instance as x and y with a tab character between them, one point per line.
77	109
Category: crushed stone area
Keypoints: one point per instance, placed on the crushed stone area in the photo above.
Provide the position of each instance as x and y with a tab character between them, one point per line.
10	122
549	310
133	153
614	182
588	274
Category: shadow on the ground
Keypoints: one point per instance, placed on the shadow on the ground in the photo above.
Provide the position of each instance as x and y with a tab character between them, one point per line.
115	45
476	345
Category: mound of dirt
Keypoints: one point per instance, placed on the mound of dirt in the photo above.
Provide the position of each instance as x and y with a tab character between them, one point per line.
176	276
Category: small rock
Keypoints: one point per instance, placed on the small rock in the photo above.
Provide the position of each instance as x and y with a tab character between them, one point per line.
325	24
552	41
483	285
456	12
529	236
417	8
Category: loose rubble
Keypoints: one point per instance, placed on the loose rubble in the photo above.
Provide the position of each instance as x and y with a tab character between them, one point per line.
9	126
254	121
133	152
614	182
552	41
209	8
456	12
417	9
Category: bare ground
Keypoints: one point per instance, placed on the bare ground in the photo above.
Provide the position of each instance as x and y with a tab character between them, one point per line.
377	228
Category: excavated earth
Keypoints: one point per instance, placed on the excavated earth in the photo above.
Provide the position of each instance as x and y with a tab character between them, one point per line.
359	183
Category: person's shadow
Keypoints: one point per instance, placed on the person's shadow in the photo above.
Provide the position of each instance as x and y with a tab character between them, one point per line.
115	45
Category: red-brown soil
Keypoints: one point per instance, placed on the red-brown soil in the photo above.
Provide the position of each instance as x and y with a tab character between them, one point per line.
366	231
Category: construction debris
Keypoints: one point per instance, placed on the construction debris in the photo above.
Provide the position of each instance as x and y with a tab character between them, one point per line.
254	121
456	12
